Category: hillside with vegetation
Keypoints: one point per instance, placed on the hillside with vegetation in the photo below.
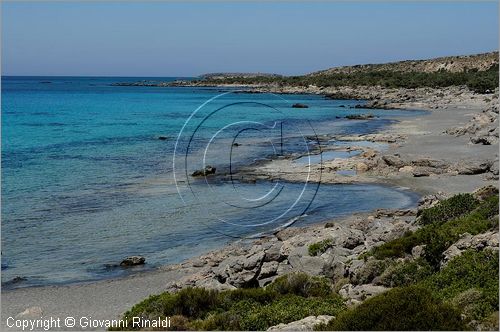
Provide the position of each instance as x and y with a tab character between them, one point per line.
478	72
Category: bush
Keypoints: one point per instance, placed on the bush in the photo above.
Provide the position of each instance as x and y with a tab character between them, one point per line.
320	247
471	270
407	308
301	284
449	209
405	273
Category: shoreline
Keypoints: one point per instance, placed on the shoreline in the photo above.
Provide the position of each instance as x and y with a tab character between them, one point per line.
422	158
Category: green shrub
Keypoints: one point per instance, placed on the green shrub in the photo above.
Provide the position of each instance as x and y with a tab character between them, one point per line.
320	247
449	209
471	270
406	308
405	273
301	284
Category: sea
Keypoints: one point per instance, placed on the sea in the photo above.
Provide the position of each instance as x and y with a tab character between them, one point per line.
93	172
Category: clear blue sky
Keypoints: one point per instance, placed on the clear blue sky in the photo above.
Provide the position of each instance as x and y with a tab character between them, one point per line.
175	39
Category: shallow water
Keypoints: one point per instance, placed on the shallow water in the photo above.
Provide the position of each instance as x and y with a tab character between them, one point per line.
86	181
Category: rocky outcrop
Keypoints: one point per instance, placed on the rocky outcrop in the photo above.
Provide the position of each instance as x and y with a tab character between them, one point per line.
305	324
488	240
258	263
482	128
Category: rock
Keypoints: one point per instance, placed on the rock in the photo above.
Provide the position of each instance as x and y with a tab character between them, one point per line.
335	269
305	324
299	105
362	167
198	262
268	269
487	240
428	201
31	312
360	292
421	172
299	260
162	138
485	192
406	169
418	251
208	170
470	168
253	260
287	233
393	160
273	253
133	261
210	283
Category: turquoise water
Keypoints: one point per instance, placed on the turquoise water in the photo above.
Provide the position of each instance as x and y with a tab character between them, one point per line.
86	180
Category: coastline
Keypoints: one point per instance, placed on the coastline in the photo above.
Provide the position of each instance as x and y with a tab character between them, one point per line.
423	157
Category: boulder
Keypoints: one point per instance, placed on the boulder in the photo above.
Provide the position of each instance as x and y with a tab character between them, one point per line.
133	261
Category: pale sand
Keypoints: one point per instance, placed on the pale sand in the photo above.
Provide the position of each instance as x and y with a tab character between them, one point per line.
109	299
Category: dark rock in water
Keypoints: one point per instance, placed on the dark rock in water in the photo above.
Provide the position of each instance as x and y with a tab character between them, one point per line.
133	261
14	280
359	116
299	105
208	170
162	138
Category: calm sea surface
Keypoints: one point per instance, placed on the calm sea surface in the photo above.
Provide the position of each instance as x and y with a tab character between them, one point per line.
86	180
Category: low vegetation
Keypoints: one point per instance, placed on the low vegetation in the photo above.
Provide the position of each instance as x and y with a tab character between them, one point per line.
320	247
288	298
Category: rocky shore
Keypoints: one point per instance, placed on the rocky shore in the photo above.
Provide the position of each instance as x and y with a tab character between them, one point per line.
452	149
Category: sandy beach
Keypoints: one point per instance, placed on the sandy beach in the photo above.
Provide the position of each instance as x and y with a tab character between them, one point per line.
412	141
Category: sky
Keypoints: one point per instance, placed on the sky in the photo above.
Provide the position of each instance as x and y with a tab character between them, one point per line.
193	38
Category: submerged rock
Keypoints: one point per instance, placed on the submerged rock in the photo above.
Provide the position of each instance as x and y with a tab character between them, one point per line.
208	170
299	105
133	261
359	116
